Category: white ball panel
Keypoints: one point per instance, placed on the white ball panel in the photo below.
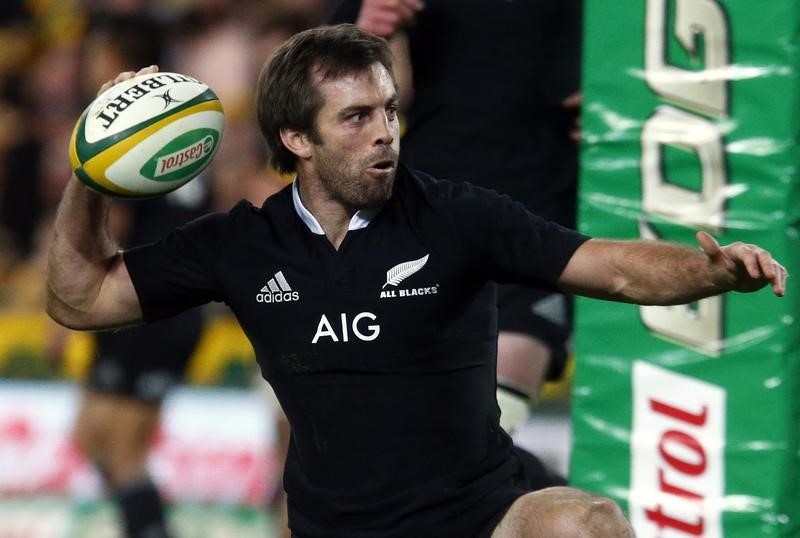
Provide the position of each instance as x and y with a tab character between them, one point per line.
140	101
125	171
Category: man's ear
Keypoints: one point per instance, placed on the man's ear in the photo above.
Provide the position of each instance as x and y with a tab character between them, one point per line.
296	142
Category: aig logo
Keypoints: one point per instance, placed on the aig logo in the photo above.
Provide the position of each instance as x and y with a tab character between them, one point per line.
360	327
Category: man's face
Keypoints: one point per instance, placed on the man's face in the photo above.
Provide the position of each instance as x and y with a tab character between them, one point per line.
359	134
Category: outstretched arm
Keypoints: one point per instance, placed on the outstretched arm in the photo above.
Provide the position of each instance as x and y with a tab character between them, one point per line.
656	272
88	286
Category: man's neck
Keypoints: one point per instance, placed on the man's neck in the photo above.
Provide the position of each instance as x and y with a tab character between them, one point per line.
332	216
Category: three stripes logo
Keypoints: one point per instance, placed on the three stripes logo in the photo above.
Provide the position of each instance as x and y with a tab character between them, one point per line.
277	290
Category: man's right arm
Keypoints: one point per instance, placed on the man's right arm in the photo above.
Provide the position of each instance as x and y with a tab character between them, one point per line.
661	273
88	285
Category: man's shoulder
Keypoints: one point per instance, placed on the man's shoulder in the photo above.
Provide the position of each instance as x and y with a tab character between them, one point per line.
272	207
238	215
445	192
230	225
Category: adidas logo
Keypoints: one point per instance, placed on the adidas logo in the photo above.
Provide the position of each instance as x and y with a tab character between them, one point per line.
552	308
277	290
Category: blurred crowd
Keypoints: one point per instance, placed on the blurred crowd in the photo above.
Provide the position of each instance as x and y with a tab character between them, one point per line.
55	54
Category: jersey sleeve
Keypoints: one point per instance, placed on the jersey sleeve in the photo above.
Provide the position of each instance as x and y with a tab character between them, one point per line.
508	242
179	271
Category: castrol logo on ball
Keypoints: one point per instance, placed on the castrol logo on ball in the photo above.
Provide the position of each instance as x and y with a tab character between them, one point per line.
184	157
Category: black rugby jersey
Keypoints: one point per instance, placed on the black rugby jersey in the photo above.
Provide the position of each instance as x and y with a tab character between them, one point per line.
382	353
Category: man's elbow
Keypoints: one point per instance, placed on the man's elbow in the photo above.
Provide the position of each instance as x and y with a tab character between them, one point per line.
65	315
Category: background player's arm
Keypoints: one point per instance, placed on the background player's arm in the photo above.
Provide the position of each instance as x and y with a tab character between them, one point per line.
652	272
385	17
88	286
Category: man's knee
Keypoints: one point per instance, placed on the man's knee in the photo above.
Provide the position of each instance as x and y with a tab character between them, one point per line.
564	512
598	516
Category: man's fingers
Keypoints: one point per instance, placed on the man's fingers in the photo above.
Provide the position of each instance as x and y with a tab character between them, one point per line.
572	101
756	266
405	7
409	8
126	75
766	264
779	281
749	257
147	70
575	132
401	10
105	86
762	266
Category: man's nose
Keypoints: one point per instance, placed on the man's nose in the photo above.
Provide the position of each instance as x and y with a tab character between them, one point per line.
384	129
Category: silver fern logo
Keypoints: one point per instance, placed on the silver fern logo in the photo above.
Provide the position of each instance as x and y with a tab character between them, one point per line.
399	273
402	271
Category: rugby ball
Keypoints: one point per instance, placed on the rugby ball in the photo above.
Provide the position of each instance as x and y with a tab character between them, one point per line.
146	136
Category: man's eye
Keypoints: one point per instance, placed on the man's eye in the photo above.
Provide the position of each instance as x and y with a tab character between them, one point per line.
357	117
391	112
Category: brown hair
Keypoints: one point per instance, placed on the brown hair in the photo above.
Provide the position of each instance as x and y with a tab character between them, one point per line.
287	96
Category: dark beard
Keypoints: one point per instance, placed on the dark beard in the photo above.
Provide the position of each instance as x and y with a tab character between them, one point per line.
346	188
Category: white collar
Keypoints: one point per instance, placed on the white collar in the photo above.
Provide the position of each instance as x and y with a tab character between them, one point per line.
360	220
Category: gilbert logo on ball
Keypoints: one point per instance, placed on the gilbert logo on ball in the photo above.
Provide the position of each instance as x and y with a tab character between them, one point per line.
146	136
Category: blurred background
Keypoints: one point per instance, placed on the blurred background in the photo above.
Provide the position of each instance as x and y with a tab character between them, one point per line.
215	455
646	171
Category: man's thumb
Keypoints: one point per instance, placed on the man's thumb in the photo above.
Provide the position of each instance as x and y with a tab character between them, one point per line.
709	245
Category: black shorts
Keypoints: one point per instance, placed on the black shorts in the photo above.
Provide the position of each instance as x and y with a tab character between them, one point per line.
531	475
545	315
144	362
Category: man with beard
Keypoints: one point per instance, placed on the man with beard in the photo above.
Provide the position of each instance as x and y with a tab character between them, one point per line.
365	289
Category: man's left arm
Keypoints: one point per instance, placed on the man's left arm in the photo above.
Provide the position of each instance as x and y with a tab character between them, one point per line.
661	273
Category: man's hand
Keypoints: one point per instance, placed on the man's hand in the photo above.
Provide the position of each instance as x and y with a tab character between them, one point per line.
126	75
572	104
385	17
87	282
743	267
